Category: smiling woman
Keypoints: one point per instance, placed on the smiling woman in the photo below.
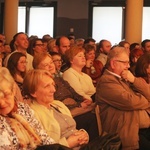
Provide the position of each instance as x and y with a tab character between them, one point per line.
19	129
53	114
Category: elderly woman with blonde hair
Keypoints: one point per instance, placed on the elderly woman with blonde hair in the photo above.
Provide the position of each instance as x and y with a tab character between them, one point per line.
19	129
54	115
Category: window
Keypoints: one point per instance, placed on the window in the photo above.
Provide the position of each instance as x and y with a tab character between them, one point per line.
107	24
41	21
37	19
21	19
146	23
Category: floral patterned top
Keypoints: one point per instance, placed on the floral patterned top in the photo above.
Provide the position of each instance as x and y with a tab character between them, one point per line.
8	138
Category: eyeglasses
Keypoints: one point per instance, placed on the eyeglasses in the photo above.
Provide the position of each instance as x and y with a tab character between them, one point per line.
47	64
124	62
58	60
23	62
39	44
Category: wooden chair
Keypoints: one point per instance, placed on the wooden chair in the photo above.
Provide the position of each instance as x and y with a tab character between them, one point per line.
97	112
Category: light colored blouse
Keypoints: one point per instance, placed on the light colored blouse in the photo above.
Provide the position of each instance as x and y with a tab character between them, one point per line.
81	83
57	120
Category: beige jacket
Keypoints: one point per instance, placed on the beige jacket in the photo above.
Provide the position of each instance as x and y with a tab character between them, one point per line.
50	124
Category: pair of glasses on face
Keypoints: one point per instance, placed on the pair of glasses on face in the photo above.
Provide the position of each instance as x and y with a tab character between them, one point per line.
23	62
48	64
58	60
124	62
40	45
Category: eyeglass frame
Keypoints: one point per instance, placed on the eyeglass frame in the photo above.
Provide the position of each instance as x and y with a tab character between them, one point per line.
124	62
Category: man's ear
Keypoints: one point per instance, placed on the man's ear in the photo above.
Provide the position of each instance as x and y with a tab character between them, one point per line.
112	64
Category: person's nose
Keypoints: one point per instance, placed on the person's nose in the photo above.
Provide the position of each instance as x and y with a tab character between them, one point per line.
53	89
128	65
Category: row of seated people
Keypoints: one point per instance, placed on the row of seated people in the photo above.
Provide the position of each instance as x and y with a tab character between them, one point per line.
95	53
17	63
51	122
75	57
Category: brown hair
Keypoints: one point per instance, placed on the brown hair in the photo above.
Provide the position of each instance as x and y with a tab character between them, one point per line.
13	62
136	52
142	66
38	58
73	51
122	43
32	79
88	48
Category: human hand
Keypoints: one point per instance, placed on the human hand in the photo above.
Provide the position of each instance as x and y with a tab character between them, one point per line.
89	63
80	137
88	101
128	76
83	105
83	136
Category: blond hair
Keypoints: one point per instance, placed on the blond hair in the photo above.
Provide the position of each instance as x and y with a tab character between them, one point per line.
115	52
32	79
6	77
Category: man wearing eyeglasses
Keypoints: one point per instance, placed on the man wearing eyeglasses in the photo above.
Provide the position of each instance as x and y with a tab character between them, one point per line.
124	101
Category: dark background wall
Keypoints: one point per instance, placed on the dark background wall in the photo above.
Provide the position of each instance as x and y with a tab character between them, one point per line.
72	14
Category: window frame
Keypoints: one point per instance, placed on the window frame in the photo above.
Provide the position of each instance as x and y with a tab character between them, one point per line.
28	5
108	3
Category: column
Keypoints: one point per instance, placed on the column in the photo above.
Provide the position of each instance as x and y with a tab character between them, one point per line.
133	21
10	19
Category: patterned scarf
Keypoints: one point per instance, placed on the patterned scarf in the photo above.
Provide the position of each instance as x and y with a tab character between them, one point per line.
26	135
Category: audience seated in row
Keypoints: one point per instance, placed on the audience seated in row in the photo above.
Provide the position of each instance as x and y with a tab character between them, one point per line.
70	60
79	106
